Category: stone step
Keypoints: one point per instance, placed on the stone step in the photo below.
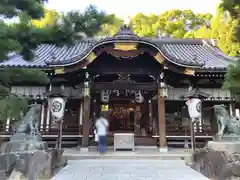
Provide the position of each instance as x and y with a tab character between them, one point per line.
126	156
145	153
129	155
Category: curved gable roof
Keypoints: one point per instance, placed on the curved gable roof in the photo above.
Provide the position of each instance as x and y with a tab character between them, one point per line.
198	53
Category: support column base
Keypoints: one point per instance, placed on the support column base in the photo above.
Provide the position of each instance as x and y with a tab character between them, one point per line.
163	149
84	149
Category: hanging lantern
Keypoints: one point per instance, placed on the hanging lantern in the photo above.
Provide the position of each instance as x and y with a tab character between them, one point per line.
163	90
58	100
86	90
105	96
139	97
58	107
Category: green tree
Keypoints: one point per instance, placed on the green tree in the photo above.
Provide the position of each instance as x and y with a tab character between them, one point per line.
144	25
50	18
224	36
11	40
233	7
232	78
26	33
112	27
174	23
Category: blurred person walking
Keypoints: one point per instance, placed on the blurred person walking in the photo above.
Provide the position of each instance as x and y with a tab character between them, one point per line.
101	132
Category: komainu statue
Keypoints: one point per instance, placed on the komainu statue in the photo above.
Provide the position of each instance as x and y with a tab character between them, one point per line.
26	154
220	158
226	124
30	122
27	135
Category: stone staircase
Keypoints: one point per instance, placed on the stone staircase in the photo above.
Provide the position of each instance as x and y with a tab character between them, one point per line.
141	152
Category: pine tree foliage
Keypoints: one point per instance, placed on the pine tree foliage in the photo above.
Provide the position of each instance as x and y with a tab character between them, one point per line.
24	24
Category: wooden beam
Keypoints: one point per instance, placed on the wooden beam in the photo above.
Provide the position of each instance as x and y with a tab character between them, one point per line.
190	72
120	86
140	71
59	71
127	46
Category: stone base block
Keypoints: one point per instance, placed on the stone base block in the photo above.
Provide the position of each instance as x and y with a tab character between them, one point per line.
228	146
7	163
23	146
84	150
16	175
163	149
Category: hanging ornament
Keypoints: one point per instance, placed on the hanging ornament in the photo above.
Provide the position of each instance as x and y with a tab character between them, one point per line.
139	97
105	96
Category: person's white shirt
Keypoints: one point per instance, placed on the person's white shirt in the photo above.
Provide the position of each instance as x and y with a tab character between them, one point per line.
101	126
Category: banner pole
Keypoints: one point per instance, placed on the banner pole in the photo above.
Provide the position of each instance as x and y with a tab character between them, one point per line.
193	142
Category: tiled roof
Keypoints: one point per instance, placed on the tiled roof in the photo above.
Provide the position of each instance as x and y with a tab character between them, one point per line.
46	53
185	52
201	53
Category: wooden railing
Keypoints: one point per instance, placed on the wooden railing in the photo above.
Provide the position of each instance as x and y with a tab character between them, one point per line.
185	130
171	130
67	130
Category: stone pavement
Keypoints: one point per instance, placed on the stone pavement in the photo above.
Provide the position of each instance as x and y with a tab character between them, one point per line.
114	169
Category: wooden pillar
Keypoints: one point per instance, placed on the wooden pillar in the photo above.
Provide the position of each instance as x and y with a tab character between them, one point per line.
80	117
231	109
8	124
95	112
201	122
42	116
150	115
237	113
86	113
85	121
161	121
80	122
48	111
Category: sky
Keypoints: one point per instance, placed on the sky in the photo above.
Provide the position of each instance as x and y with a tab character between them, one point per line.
125	8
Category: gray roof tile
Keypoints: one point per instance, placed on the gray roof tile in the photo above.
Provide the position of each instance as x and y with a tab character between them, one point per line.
198	53
45	53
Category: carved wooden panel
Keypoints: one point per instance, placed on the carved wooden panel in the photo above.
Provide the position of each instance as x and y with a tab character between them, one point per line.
214	93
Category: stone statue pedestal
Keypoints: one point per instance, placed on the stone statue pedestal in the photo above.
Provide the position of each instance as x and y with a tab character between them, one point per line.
23	142
219	159
232	146
27	153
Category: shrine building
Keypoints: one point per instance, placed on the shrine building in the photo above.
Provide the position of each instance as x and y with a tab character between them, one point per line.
141	84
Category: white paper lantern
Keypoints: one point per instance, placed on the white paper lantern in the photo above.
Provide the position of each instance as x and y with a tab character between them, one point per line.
58	107
194	108
139	97
105	96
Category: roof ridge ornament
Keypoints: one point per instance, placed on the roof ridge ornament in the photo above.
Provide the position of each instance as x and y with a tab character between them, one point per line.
127	21
125	30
